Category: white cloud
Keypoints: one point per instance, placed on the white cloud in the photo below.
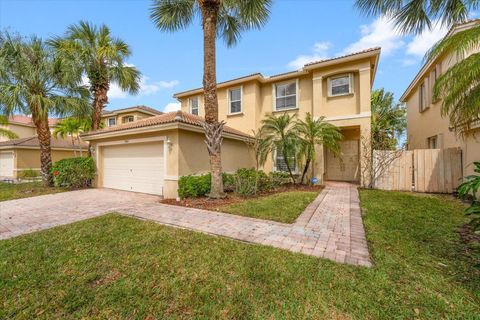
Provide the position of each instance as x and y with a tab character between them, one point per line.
146	87
168	84
320	50
172	106
409	62
424	41
380	33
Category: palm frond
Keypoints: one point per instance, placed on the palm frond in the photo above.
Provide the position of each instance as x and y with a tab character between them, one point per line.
458	44
173	15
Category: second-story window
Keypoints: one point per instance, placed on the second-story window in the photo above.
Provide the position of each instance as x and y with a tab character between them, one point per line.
194	105
112	122
340	85
286	96
235	100
127	119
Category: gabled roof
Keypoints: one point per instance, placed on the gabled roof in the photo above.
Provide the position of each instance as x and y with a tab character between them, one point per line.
371	52
26	120
142	108
428	64
163	119
33	142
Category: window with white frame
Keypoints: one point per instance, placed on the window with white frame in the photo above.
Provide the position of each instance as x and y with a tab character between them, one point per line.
281	164
194	106
112	122
235	100
340	85
127	119
286	96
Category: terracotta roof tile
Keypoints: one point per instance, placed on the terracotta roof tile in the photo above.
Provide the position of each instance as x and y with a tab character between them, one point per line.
33	142
170	117
28	120
344	56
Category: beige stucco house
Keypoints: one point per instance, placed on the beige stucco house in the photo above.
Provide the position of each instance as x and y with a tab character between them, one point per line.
151	154
426	128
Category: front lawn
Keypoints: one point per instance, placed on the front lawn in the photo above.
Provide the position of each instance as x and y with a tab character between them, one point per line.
282	207
119	267
11	191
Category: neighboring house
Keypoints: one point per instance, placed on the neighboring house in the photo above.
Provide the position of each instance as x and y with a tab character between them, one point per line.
126	115
338	89
23	126
151	154
18	155
426	128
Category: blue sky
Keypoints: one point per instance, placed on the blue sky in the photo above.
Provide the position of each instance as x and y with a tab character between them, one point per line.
298	31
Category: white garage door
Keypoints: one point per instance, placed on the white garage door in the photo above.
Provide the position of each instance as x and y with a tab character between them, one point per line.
135	167
6	164
346	166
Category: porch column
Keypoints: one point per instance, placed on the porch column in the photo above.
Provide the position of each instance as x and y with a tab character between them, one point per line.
317	95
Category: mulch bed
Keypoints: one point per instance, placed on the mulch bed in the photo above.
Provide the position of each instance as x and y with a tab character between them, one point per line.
215	204
471	240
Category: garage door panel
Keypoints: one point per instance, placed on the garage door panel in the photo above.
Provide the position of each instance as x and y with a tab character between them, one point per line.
134	167
6	164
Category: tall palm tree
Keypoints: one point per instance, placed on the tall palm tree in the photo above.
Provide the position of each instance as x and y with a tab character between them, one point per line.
5	132
223	18
280	135
102	58
34	81
72	127
459	86
388	120
313	133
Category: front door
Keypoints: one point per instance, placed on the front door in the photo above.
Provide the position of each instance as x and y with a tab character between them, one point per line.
346	165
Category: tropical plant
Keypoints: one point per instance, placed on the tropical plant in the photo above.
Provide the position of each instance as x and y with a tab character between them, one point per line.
72	127
102	58
313	133
459	86
74	172
388	120
5	132
219	18
469	190
35	81
280	136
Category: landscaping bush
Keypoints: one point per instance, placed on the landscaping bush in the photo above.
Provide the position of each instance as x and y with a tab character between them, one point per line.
194	186
250	182
228	182
279	178
29	174
74	172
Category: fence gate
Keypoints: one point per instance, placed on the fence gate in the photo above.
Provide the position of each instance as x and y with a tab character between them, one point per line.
421	170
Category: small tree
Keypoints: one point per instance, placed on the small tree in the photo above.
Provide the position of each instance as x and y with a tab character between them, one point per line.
313	133
72	127
280	136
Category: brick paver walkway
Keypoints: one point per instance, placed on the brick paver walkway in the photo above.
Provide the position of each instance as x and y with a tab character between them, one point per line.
330	227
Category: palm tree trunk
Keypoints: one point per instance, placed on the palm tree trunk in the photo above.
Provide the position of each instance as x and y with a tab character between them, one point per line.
44	139
285	157
213	128
73	146
100	99
305	169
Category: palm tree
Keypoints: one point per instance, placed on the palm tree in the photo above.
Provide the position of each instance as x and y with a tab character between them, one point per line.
459	86
388	120
280	136
5	132
34	81
223	18
72	127
313	133
102	58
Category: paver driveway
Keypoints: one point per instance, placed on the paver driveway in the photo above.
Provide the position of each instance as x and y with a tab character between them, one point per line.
330	227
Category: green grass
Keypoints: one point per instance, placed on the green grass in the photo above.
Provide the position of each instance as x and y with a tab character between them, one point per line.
10	191
282	207
118	267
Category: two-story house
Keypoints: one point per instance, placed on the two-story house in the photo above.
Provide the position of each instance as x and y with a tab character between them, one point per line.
126	115
151	154
337	89
426	127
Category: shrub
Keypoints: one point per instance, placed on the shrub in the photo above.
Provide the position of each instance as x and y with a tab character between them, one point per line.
74	172
469	190
194	186
279	178
228	182
28	174
250	181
